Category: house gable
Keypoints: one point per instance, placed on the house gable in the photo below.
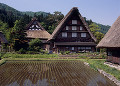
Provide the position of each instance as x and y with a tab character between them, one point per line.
35	30
72	22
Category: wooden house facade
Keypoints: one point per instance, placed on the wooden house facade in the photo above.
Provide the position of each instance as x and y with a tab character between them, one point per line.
72	34
111	42
35	30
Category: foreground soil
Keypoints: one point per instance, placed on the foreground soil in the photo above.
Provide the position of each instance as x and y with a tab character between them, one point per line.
50	73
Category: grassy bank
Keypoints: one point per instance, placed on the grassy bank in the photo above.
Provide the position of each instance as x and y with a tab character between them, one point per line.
2	61
99	64
11	55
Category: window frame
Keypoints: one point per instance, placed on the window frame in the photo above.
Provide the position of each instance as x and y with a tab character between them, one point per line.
74	21
64	34
83	35
74	27
81	28
74	34
67	27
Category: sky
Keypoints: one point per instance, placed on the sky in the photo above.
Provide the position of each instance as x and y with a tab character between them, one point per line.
100	11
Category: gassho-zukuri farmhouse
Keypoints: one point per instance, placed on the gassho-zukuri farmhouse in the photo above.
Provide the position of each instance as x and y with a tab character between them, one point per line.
111	42
72	34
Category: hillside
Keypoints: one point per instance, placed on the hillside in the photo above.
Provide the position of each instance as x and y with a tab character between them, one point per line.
9	10
30	13
103	28
10	15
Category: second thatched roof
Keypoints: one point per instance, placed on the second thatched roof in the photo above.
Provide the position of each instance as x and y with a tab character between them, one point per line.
112	37
36	32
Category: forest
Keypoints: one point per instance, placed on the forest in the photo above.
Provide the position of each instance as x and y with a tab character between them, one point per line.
13	23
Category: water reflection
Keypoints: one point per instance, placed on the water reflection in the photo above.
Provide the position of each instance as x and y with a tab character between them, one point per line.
97	79
50	73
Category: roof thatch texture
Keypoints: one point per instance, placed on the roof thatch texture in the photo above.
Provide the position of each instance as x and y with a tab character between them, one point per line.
64	20
37	32
2	38
112	37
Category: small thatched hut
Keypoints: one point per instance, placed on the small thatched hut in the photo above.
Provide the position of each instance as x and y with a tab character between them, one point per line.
111	41
35	30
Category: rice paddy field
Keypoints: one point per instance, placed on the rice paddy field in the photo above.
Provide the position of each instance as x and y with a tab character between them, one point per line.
50	73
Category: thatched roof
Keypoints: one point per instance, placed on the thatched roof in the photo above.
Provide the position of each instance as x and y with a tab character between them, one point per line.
2	38
64	20
42	34
112	37
36	32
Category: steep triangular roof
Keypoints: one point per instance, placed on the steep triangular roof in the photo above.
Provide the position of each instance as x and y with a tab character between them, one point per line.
34	20
112	37
64	20
2	38
36	32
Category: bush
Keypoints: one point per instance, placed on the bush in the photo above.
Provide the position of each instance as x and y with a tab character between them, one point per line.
21	51
32	52
67	52
35	45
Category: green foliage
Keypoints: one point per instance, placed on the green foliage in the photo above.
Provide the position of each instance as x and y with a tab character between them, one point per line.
18	36
98	36
32	14
2	62
21	51
3	27
65	52
28	56
35	45
95	30
103	28
99	64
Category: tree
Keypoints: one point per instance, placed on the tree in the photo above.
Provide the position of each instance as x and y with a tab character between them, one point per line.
18	36
3	27
96	31
35	45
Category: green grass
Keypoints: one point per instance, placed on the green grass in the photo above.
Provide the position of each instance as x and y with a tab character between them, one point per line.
2	61
99	64
10	55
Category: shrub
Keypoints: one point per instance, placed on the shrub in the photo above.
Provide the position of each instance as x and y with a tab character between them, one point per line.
21	51
35	45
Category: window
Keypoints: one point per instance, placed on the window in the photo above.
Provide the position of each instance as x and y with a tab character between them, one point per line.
83	34
83	48
37	26
74	34
74	21
81	28
72	48
64	34
79	48
88	48
67	28
74	28
32	25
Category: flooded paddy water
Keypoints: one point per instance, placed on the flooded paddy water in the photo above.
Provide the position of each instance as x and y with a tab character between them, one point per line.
50	73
